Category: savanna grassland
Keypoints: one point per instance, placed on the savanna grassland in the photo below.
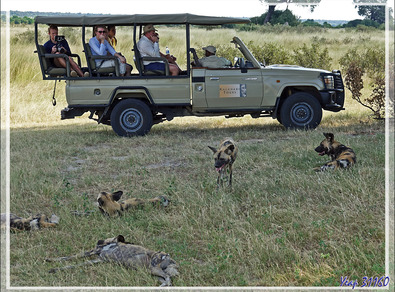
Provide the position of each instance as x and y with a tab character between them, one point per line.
281	224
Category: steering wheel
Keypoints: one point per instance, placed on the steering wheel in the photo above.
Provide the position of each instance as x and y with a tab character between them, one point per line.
195	57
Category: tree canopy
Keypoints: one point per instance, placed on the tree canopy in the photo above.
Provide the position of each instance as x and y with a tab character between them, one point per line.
372	12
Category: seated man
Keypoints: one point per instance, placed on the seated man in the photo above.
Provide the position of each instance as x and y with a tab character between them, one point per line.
101	47
212	61
51	47
148	46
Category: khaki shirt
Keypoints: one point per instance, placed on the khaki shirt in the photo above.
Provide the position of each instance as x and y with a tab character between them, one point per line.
214	62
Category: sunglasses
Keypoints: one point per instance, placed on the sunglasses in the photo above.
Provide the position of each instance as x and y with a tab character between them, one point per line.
101	31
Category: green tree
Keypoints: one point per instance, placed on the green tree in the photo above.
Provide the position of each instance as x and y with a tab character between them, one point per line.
273	3
278	17
372	12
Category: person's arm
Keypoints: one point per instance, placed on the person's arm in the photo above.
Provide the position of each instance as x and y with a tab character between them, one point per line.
97	47
66	46
48	46
110	49
147	50
120	57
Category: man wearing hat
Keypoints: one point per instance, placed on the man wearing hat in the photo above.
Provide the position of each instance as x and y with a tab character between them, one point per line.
212	61
148	46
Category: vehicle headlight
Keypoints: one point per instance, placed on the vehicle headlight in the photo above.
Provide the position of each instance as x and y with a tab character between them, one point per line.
329	82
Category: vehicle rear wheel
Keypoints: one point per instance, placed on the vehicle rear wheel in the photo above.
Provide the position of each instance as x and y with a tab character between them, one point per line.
131	117
300	111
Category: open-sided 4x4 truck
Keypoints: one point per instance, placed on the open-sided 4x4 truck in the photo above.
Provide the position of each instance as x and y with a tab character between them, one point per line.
294	95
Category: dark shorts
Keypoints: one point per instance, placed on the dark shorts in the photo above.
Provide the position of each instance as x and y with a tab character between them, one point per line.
155	66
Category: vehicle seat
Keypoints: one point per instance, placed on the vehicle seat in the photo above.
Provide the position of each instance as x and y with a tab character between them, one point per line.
96	70
139	62
46	66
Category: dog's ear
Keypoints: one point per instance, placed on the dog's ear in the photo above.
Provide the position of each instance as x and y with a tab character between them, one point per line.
100	201
213	149
230	149
117	195
329	136
120	238
100	242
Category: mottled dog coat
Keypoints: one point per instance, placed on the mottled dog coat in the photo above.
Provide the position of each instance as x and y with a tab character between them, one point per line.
31	223
341	155
108	203
224	157
119	251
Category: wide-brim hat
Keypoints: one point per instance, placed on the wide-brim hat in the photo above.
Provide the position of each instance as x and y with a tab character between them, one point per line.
211	49
149	27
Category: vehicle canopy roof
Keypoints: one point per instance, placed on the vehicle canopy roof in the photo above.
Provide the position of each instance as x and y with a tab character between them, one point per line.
184	18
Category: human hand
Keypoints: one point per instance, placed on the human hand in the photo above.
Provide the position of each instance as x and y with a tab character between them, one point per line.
102	38
155	38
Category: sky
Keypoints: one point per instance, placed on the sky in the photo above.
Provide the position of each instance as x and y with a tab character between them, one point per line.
327	9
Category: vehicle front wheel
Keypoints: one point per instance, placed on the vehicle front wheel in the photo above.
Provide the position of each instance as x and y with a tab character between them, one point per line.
300	111
131	117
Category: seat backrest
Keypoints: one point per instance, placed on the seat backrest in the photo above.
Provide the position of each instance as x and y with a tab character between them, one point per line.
88	55
44	61
137	60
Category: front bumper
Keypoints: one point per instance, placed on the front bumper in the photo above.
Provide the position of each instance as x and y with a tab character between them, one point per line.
332	99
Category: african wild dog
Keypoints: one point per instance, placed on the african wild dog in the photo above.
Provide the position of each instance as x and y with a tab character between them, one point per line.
224	157
31	223
127	254
108	203
341	156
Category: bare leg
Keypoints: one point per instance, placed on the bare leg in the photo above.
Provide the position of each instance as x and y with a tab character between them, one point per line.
128	70
60	62
174	70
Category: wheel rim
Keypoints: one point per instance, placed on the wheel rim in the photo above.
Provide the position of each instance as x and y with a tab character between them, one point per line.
302	114
131	120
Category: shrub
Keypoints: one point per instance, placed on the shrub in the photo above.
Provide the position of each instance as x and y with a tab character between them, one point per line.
312	57
270	53
370	63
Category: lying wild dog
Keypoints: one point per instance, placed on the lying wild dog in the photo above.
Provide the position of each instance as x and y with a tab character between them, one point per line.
31	223
109	205
132	256
341	156
224	157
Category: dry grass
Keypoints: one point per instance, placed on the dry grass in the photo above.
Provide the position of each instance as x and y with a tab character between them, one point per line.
280	225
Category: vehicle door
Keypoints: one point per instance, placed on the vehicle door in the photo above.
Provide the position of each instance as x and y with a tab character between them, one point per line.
233	88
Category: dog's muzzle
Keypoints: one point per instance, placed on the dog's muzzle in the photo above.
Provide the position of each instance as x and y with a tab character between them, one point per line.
219	168
320	150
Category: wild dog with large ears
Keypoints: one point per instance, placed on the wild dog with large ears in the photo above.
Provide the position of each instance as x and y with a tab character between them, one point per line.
108	203
341	155
224	157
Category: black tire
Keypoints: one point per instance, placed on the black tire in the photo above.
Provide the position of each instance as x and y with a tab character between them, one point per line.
300	111
131	117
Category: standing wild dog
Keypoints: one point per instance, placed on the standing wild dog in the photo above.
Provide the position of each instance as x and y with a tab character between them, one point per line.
119	251
341	156
224	157
109	205
31	223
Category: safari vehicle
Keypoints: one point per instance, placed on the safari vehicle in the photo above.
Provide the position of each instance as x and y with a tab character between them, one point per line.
293	95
